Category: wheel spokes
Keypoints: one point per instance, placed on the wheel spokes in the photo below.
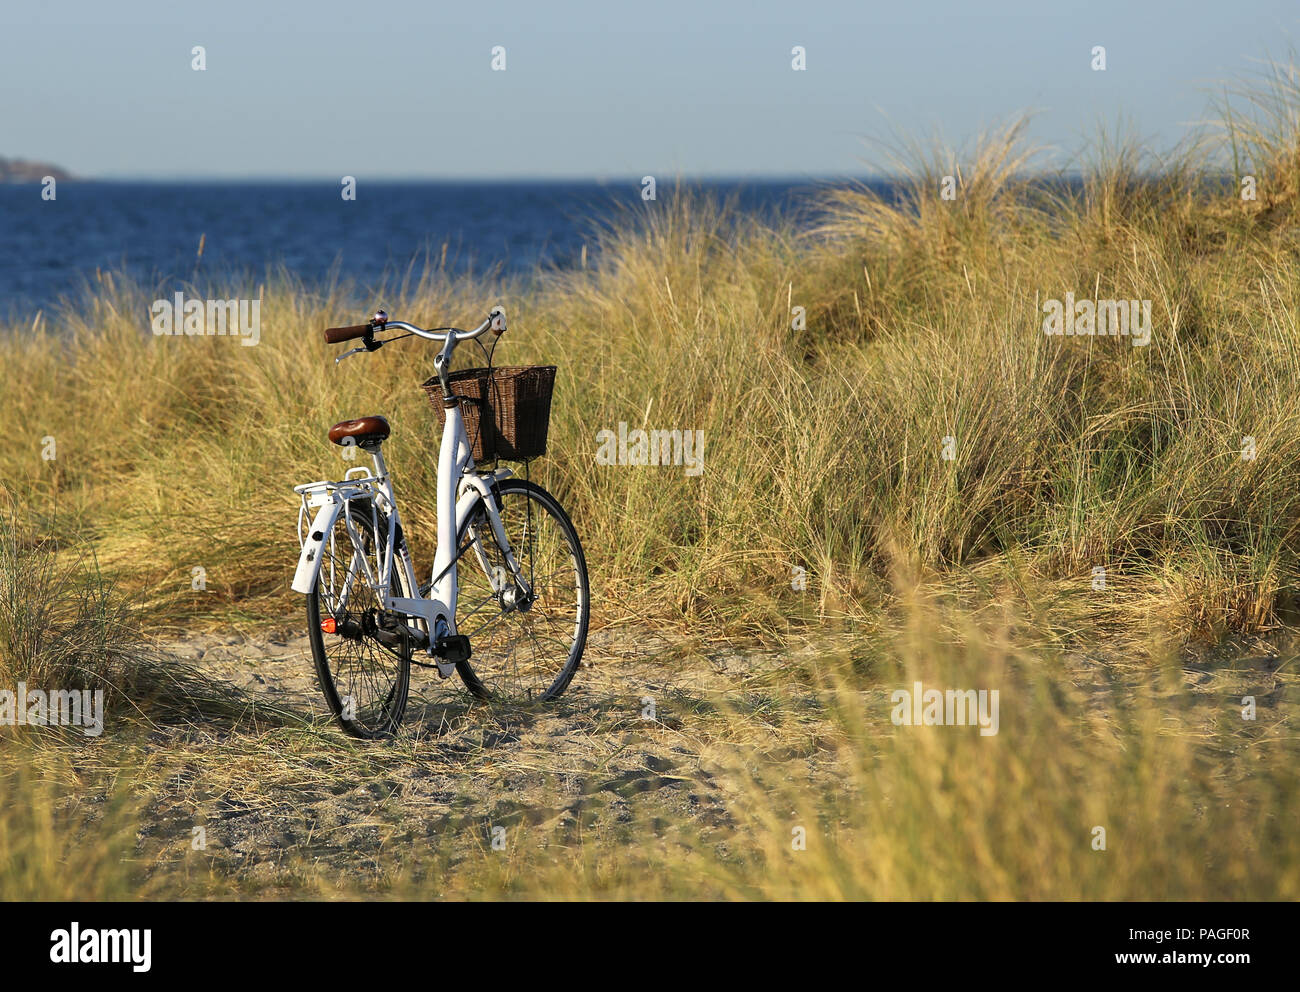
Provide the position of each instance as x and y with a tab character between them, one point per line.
367	674
520	651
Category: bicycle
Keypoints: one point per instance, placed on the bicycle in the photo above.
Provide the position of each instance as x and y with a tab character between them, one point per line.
519	606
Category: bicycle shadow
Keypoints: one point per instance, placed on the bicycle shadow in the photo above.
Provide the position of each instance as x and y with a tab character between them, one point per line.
492	724
165	691
265	685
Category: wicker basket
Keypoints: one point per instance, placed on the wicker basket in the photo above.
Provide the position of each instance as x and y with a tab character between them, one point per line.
507	411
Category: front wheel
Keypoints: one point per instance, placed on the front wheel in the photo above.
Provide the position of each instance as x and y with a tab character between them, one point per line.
526	643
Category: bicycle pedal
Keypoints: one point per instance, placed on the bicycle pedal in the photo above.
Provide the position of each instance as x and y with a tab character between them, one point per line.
452	649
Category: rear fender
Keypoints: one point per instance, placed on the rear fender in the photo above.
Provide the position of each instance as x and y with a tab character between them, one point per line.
304	579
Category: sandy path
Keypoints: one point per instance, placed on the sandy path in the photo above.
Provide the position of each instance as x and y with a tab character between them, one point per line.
272	797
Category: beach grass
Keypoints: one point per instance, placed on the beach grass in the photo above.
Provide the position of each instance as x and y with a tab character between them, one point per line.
904	479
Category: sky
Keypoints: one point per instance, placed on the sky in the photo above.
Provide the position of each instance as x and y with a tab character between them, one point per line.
390	89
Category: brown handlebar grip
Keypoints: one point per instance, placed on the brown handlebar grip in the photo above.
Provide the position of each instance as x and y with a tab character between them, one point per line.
333	335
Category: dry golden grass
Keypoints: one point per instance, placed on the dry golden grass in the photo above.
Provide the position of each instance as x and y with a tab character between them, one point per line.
823	452
784	778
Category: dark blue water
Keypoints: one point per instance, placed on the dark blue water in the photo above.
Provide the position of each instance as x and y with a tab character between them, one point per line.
49	249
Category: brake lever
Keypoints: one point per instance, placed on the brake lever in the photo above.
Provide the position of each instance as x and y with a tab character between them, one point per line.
368	342
349	354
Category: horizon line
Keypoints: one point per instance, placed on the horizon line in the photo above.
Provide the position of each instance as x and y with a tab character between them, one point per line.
595	180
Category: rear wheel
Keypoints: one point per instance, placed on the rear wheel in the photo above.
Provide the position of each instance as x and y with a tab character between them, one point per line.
526	646
362	651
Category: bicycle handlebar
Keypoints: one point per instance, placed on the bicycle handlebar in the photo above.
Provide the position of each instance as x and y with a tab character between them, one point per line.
496	320
335	335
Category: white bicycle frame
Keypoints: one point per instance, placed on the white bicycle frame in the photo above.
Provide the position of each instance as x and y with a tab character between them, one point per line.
460	488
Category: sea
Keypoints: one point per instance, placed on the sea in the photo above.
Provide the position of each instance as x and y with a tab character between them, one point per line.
165	234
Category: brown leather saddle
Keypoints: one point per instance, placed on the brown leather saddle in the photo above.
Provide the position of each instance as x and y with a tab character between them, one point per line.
365	432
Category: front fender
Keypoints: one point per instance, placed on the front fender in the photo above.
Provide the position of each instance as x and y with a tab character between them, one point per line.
304	579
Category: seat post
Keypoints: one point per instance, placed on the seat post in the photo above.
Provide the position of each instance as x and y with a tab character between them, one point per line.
381	469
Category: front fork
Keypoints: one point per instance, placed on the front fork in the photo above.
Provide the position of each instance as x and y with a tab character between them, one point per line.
458	487
508	584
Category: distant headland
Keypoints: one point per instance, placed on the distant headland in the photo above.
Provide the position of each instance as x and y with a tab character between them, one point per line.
17	170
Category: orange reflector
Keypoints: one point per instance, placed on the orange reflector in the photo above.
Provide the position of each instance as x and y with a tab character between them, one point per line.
328	625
